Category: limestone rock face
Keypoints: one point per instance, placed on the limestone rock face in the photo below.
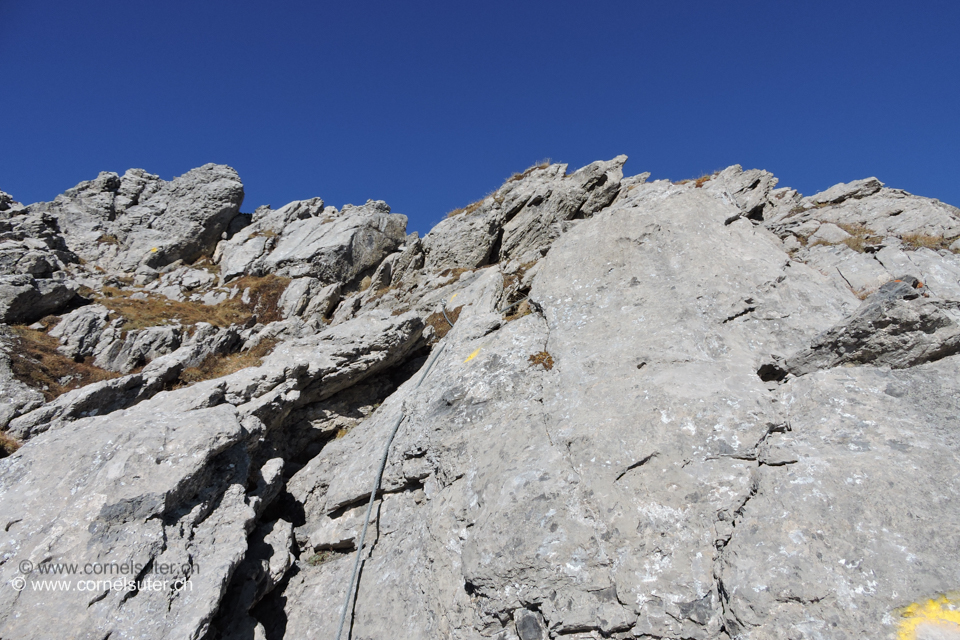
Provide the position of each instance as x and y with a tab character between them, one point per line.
522	218
304	239
124	222
709	410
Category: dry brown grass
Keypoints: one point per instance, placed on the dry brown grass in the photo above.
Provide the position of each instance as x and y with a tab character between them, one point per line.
8	445
265	292
207	264
440	324
455	272
217	366
543	358
698	182
862	236
108	239
542	164
925	241
522	309
467	210
37	363
513	280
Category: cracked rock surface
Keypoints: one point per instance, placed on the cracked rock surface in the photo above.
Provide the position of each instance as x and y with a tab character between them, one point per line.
713	410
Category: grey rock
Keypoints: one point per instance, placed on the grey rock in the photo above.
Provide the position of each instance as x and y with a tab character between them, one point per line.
24	298
79	331
888	329
860	272
186	218
304	239
535	211
123	223
121	393
90	400
173	482
836	537
267	560
576	505
467	240
6	201
322	302
751	191
845	191
529	625
880	210
159	489
139	347
341	249
830	234
17	397
240	253
300	293
625	455
523	217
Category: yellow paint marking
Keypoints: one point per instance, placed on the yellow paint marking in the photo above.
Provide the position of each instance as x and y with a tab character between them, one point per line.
941	613
153	250
473	355
454	295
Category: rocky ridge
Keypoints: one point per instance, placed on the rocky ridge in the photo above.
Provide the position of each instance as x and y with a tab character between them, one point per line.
700	410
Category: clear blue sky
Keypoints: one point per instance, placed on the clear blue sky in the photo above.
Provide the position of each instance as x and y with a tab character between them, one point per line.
430	105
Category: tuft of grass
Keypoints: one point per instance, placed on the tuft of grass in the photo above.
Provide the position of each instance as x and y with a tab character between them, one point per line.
108	239
541	164
264	295
319	558
365	283
207	264
264	233
862	236
455	272
699	182
542	358
8	445
379	293
440	324
522	309
925	241
511	281
217	366
467	210
36	362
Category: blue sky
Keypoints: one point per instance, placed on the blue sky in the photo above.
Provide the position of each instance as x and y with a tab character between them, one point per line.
430	105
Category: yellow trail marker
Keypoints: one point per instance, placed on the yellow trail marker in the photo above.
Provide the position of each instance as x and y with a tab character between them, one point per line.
940	613
473	355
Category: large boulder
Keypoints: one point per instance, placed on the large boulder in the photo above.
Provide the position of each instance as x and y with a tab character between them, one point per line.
24	298
121	223
304	239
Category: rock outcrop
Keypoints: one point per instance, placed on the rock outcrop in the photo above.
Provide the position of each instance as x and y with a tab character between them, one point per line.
709	410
